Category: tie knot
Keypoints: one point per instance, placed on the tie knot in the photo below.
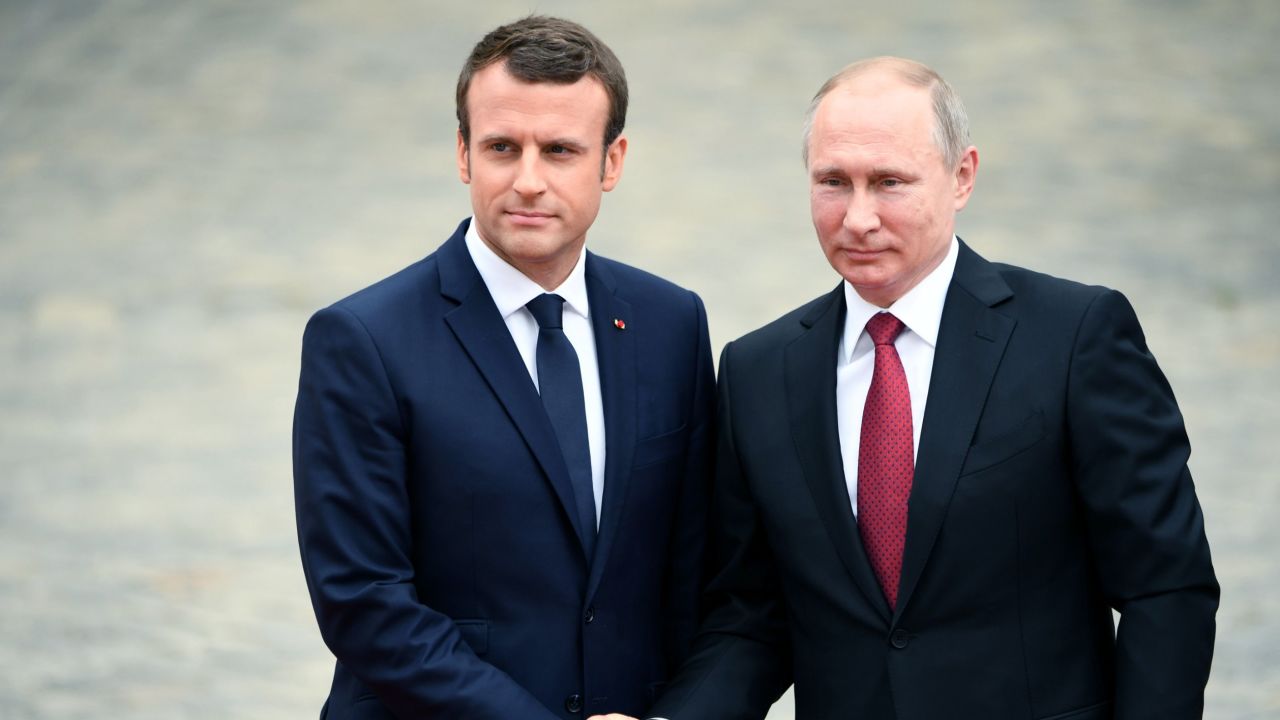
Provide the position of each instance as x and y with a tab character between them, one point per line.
883	328
548	310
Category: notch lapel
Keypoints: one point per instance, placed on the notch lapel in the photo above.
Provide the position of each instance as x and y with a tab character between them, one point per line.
971	342
616	356
811	402
484	336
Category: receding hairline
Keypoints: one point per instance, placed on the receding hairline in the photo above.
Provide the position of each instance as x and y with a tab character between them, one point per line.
910	72
951	131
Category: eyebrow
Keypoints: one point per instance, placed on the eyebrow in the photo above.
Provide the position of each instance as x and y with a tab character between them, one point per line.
491	139
826	170
877	171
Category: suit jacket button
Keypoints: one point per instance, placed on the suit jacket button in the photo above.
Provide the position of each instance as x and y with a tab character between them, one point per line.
899	639
573	703
589	616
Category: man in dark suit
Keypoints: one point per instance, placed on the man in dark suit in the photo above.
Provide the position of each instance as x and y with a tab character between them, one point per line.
501	453
936	483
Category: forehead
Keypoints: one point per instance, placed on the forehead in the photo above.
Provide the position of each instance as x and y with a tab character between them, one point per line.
875	112
496	97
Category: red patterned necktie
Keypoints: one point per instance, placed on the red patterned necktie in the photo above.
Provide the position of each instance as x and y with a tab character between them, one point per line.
885	458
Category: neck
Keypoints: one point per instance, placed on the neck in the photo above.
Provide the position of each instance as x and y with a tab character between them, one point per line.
548	276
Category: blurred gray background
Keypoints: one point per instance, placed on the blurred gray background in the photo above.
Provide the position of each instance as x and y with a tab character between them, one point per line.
182	183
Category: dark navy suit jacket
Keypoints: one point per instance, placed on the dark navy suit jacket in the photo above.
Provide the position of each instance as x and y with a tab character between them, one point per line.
435	512
1050	487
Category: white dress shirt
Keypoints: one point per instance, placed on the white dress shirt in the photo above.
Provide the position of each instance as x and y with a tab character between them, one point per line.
921	311
511	291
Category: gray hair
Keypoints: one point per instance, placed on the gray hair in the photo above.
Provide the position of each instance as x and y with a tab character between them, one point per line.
951	122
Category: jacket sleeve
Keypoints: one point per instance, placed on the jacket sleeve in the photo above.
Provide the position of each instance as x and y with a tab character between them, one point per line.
349	465
686	563
740	661
1144	524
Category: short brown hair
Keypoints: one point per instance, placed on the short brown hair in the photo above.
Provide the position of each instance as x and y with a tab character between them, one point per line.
540	49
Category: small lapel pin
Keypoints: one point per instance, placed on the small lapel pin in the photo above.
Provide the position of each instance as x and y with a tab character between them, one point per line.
618	323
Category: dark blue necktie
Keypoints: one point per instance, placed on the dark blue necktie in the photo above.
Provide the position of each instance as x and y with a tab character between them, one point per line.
560	384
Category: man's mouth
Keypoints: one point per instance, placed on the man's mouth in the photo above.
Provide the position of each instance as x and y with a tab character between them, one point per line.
531	218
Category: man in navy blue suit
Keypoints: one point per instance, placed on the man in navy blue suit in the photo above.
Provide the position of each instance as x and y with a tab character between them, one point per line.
501	451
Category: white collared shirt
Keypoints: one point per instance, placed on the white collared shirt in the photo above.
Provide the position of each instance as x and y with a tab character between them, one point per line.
511	291
921	311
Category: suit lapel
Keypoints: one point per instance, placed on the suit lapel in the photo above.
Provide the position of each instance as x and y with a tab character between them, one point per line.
811	402
484	336
971	341
616	355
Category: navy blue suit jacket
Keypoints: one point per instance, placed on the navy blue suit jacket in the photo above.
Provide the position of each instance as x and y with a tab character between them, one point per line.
1050	487
435	512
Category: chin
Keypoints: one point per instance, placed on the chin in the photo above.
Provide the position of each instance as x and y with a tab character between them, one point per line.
870	286
859	277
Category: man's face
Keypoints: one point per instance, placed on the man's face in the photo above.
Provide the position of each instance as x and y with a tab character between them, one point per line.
535	168
883	200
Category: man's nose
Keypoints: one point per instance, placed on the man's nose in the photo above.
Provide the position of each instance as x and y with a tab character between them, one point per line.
862	214
529	180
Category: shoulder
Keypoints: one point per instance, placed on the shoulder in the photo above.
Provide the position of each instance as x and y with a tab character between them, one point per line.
415	289
648	295
387	304
996	284
632	283
780	332
1021	292
1057	306
1051	309
1048	289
